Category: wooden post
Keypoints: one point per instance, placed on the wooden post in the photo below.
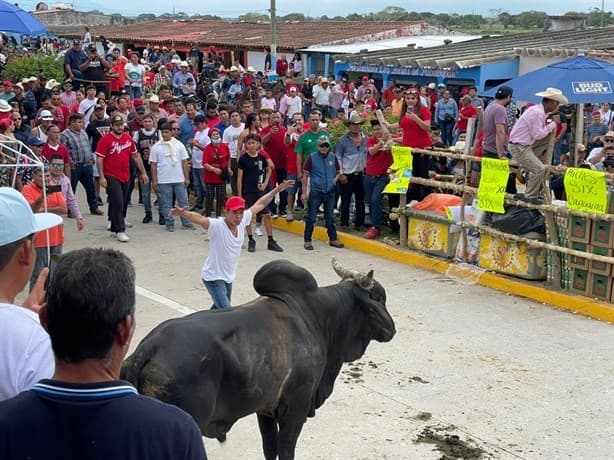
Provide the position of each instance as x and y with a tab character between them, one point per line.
553	235
402	221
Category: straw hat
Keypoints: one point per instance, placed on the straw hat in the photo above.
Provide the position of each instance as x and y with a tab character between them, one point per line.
555	94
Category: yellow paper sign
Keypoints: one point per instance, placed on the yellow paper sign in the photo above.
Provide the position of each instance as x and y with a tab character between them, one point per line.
491	191
401	167
586	190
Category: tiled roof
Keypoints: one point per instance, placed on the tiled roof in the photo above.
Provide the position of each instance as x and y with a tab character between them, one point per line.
594	42
252	35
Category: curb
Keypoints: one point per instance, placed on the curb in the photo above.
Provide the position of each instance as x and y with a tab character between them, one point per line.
572	303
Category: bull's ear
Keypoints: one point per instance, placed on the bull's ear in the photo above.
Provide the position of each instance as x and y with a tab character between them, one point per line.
366	281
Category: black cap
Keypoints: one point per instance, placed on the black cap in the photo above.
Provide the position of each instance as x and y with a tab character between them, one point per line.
140	109
99	107
91	47
117	120
503	92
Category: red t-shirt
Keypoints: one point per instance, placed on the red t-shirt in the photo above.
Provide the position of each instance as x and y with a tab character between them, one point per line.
213	122
291	158
469	112
217	157
379	163
47	151
116	153
275	146
414	135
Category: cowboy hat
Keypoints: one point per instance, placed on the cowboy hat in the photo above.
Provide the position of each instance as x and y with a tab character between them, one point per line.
5	106
53	83
354	119
553	93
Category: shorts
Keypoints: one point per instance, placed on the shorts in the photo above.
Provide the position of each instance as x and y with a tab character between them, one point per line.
292	190
250	200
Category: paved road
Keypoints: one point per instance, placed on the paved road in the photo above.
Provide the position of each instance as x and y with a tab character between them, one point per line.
520	379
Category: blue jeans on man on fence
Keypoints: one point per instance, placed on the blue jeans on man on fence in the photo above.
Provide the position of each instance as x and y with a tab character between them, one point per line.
220	292
374	186
165	197
314	201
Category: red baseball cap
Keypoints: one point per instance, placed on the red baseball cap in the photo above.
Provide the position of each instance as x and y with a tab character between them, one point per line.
234	203
7	83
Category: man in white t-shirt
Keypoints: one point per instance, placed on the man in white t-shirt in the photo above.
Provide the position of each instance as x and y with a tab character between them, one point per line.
226	237
199	142
231	138
170	175
25	349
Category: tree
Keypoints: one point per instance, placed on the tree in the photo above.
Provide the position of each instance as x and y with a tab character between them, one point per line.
253	17
21	67
293	17
506	19
531	19
354	17
146	17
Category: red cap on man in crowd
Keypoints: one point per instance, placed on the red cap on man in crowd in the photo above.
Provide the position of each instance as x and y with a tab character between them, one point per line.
234	203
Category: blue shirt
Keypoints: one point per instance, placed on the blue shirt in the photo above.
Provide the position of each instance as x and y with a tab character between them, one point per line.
444	108
186	129
103	420
351	159
322	171
181	78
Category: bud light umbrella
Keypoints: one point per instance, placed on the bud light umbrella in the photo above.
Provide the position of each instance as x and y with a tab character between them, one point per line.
582	79
17	21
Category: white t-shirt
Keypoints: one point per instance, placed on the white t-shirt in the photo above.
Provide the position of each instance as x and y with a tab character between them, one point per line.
231	137
86	108
167	173
25	351
224	249
293	105
134	73
202	137
268	103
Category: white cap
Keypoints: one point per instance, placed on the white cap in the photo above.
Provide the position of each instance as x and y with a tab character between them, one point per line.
46	115
18	220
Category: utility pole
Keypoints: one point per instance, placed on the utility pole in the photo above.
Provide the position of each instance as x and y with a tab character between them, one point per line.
273	30
602	13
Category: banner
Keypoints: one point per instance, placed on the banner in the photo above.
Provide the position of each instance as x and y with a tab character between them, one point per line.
586	190
493	180
401	170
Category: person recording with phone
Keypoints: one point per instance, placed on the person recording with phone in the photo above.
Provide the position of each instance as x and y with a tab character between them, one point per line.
94	68
54	203
415	124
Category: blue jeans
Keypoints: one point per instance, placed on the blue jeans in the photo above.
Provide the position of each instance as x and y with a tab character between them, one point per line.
134	91
146	191
165	196
42	261
198	181
446	127
374	186
84	173
314	201
221	292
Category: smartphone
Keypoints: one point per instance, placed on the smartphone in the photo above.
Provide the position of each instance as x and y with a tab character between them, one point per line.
410	109
54	189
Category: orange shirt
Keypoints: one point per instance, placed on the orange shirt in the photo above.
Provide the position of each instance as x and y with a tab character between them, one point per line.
56	234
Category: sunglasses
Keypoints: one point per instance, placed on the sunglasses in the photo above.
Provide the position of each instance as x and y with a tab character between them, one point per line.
57	165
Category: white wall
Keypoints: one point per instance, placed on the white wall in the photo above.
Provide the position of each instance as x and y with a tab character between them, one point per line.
530	63
256	59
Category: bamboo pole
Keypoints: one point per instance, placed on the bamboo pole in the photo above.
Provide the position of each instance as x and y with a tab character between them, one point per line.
553	235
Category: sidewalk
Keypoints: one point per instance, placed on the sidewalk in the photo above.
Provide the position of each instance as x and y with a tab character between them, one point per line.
561	299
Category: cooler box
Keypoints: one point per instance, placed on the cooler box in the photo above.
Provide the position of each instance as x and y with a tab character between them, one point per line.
431	233
513	258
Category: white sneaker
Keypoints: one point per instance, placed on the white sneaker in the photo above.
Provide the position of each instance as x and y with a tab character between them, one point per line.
108	225
289	217
122	237
127	224
258	231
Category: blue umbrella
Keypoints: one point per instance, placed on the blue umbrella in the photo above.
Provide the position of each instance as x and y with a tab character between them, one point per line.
17	21
582	79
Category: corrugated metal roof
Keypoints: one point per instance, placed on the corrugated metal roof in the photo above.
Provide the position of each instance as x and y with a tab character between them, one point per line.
424	41
290	36
594	42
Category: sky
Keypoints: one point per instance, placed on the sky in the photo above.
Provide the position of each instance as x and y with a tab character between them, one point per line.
317	8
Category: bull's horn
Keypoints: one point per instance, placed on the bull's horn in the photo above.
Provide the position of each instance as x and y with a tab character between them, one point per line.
344	273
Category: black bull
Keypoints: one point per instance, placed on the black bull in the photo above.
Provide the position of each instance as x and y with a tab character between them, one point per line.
277	356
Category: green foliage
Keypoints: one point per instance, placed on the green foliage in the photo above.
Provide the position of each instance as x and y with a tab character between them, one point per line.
146	17
22	67
339	129
252	17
